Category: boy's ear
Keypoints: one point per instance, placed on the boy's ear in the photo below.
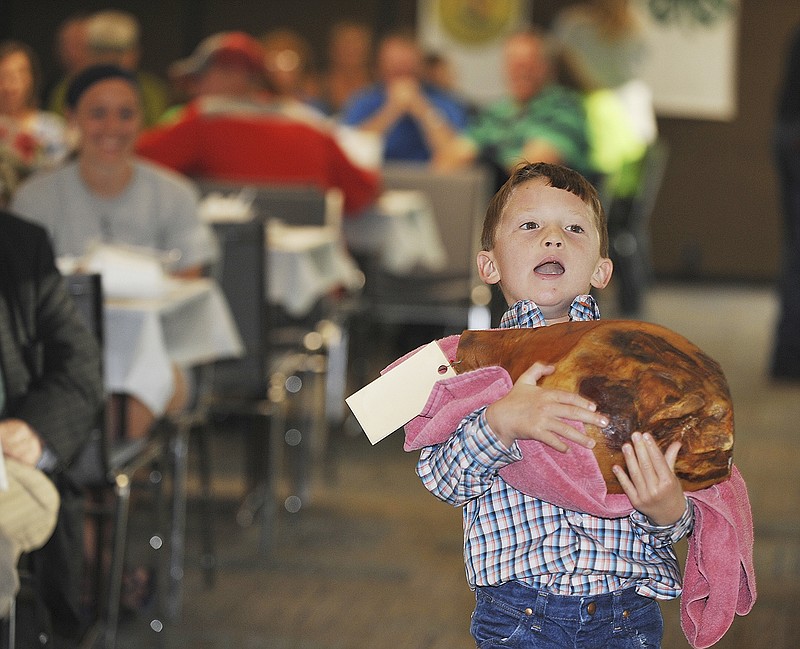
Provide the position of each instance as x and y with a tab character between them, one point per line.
487	269
602	273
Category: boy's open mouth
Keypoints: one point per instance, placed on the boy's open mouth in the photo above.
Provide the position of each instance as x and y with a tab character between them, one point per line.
550	268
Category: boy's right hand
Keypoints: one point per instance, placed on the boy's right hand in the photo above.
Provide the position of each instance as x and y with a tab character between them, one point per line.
532	412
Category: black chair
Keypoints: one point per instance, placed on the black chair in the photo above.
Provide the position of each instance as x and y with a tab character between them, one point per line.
106	468
248	393
231	392
293	204
322	336
629	230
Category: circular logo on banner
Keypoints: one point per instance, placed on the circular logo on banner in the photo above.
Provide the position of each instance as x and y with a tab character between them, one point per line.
475	22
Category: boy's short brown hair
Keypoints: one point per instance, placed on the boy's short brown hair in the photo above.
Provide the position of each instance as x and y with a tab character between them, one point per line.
556	176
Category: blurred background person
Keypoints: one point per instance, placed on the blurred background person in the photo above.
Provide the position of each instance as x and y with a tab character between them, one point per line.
604	42
108	195
71	51
233	130
786	353
30	139
225	64
601	44
439	72
539	120
348	68
291	73
599	48
113	37
415	119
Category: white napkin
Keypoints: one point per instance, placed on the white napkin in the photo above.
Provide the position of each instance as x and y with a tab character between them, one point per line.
127	272
236	208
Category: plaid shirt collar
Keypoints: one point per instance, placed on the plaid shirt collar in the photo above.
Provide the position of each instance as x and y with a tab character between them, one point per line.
525	313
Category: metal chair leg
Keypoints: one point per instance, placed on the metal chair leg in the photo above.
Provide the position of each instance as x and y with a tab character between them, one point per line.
122	491
208	559
180	451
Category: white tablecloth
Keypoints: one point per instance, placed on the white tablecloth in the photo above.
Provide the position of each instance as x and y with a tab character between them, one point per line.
401	232
189	325
307	263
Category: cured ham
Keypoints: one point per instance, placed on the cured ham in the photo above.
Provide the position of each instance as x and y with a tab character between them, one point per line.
645	377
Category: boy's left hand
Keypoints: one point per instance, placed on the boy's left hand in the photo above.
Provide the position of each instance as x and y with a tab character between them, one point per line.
650	483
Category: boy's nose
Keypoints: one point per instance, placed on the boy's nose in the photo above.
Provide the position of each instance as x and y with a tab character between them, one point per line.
553	242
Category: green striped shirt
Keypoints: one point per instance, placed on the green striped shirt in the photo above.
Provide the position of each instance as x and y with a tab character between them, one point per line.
555	115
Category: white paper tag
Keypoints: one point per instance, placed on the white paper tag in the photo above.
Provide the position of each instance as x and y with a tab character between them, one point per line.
399	395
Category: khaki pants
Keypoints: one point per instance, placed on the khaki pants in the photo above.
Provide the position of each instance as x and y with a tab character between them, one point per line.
28	512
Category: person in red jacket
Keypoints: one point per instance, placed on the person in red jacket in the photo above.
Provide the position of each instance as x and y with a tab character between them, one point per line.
232	129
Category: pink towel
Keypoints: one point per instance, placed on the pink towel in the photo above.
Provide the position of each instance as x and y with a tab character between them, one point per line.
719	578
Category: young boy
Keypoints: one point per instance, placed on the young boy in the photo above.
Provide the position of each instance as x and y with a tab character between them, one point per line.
546	577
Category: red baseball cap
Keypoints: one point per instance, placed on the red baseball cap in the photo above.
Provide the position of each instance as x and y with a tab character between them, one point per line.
228	47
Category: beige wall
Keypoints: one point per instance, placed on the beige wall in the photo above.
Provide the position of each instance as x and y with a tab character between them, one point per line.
718	214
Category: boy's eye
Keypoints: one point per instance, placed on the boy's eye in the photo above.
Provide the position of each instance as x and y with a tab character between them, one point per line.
575	228
529	225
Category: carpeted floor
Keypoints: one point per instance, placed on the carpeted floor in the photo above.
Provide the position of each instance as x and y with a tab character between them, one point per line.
372	560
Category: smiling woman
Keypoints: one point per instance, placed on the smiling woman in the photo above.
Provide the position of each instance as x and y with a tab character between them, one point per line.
104	108
108	195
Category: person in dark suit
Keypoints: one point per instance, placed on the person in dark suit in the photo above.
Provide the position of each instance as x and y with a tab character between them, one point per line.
52	392
786	148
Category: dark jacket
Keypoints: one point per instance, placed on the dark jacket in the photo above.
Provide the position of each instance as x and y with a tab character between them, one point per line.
51	367
51	362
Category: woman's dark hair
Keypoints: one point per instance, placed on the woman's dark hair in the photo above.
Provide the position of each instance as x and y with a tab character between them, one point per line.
94	74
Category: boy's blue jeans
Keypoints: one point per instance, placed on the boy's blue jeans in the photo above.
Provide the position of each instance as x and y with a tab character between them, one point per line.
514	615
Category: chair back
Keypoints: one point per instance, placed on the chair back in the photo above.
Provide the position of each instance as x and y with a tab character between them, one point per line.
458	201
444	297
87	294
291	204
90	467
241	275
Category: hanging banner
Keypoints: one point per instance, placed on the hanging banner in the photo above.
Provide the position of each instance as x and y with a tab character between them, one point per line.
470	34
691	64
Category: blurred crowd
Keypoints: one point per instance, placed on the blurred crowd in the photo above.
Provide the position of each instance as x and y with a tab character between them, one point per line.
572	96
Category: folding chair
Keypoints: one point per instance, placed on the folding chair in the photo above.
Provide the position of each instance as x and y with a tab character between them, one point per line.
629	230
106	468
326	327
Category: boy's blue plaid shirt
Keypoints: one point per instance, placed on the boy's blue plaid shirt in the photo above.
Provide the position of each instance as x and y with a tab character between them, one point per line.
511	536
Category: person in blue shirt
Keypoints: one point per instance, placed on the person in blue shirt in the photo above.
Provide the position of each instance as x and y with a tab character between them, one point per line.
415	119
